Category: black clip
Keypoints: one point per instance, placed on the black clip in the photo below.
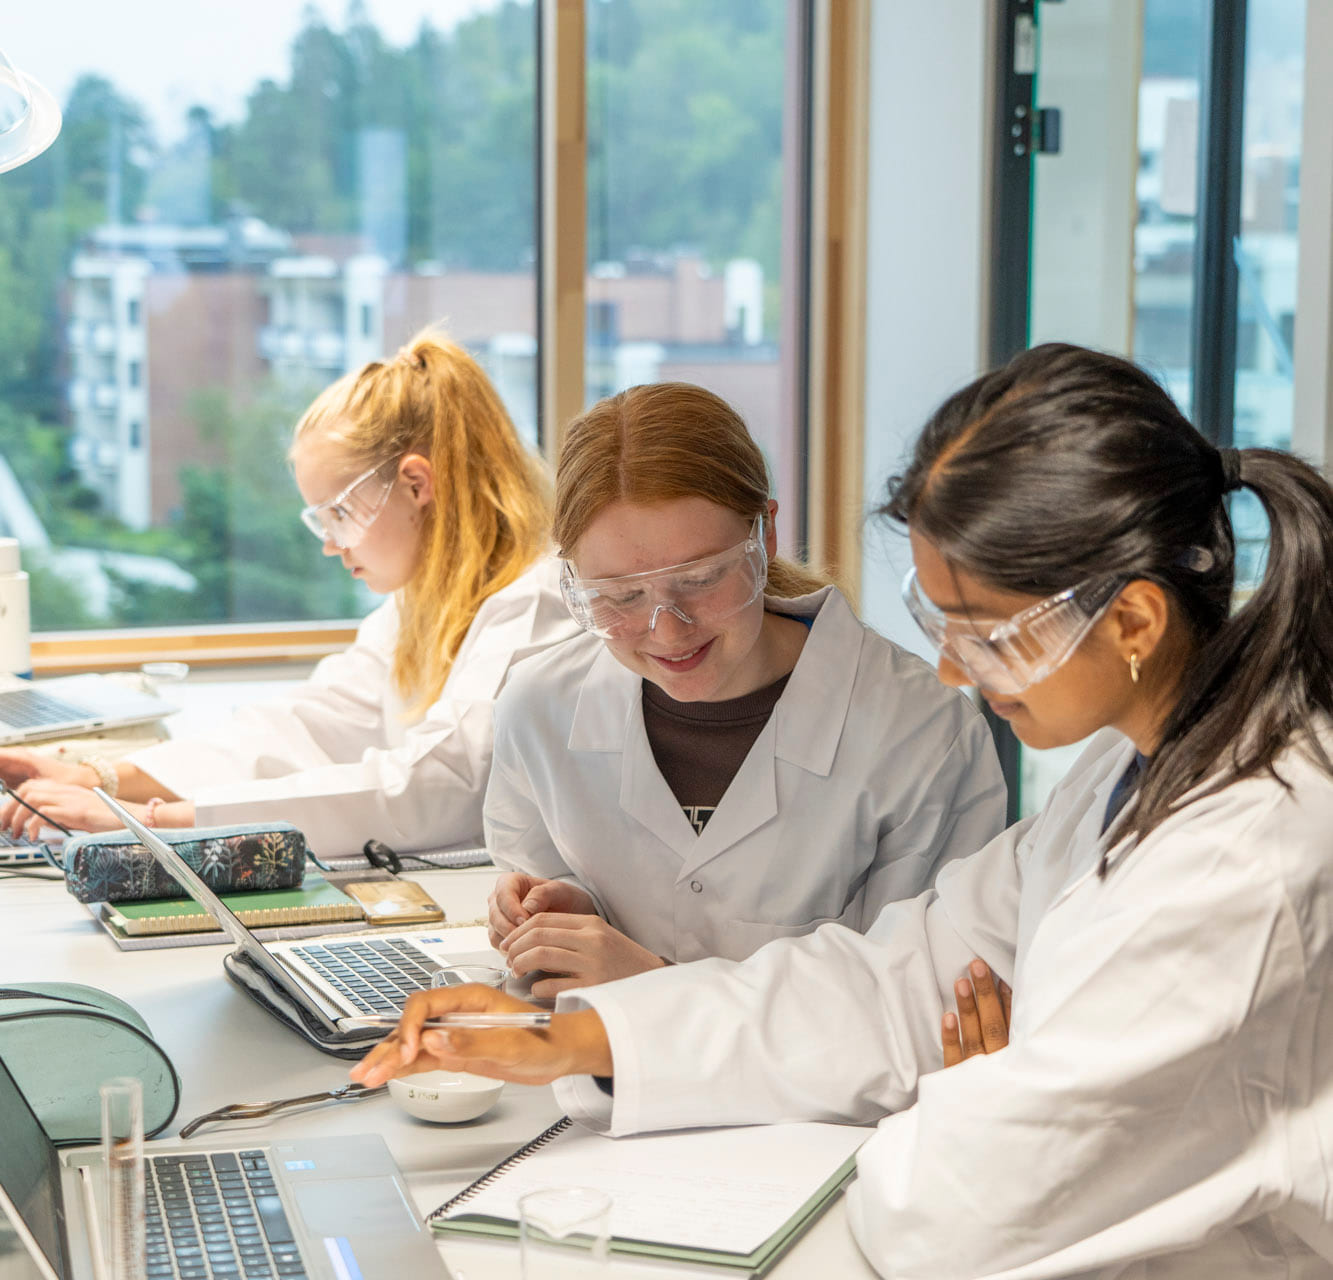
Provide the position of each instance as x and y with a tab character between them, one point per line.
378	854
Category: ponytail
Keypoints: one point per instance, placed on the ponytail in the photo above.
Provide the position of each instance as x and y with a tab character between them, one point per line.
1259	680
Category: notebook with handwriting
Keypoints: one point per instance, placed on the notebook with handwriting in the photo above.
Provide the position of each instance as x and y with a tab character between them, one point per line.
727	1197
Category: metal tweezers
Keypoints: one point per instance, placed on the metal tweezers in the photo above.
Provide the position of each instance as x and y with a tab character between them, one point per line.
254	1110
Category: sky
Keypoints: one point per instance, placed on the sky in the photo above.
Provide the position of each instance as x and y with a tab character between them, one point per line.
168	57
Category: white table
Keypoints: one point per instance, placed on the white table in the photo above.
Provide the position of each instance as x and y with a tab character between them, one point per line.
227	1049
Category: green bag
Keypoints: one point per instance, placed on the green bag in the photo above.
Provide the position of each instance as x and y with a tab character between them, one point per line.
61	1040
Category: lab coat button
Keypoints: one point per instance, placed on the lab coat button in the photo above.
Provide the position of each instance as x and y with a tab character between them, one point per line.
696	887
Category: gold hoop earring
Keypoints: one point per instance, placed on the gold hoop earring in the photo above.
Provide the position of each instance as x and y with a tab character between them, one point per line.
1134	667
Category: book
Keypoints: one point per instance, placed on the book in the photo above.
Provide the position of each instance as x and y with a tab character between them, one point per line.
315	901
734	1198
161	941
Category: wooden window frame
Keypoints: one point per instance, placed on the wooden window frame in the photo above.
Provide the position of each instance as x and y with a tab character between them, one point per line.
832	346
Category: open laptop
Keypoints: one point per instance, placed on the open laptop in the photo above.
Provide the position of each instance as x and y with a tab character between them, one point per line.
311	1209
72	704
17	851
337	979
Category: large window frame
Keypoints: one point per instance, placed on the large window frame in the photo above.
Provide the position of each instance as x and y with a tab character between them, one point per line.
824	376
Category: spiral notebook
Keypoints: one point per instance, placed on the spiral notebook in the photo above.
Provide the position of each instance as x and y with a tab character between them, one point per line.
734	1198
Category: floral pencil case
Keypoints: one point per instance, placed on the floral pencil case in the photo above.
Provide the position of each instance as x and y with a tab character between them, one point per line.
113	866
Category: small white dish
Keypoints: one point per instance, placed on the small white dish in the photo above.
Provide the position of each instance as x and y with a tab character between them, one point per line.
445	1096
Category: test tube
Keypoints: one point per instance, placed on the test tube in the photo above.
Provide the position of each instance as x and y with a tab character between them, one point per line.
122	1151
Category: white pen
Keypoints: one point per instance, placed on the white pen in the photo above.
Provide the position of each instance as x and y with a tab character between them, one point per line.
443	1021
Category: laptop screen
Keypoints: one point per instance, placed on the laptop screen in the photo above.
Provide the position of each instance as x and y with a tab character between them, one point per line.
30	1173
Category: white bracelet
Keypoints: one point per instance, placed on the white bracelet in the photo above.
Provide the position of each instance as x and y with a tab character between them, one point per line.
107	777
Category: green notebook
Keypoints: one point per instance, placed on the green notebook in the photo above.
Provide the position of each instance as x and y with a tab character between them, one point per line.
666	1188
316	901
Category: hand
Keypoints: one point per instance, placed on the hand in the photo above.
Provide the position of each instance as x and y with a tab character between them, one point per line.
581	950
74	806
574	1043
517	897
982	1022
19	765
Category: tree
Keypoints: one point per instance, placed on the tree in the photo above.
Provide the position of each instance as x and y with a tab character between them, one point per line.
239	530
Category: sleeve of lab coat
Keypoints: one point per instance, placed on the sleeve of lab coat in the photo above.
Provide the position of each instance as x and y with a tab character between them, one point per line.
831	1026
331	718
1138	1108
516	833
322	759
958	808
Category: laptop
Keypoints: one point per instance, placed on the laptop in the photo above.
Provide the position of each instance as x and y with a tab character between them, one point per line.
18	851
337	979
311	1209
15	851
72	704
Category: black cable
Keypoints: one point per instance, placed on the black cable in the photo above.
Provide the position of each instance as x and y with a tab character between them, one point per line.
7	790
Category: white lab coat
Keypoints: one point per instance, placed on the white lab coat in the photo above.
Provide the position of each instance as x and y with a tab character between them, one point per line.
1165	1106
868	776
338	758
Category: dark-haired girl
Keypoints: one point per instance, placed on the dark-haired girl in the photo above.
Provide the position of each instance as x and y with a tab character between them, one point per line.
1165	1105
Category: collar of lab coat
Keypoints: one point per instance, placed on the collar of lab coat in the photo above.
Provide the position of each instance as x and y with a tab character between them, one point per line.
804	730
808	718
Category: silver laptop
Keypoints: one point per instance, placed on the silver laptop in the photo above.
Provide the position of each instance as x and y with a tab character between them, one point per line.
72	704
16	851
337	979
316	1208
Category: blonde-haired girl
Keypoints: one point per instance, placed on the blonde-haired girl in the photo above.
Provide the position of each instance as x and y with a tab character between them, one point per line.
730	756
417	480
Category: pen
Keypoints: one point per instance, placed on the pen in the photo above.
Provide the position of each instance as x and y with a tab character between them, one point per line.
443	1021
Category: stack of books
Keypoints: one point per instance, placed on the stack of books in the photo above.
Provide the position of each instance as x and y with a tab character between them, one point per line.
316	907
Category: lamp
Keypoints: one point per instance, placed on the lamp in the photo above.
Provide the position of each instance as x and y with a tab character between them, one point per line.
29	117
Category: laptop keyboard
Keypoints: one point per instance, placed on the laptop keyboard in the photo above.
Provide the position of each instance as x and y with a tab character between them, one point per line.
217	1216
373	976
28	709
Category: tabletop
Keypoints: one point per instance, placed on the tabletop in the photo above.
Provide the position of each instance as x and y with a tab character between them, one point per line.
227	1049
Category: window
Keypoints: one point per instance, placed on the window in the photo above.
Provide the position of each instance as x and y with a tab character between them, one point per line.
199	254
236	213
694	178
1167	191
1266	249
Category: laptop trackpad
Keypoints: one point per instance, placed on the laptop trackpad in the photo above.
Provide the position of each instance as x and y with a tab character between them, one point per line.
368	1229
354	1207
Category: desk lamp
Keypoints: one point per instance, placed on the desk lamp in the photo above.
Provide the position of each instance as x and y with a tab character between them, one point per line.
29	117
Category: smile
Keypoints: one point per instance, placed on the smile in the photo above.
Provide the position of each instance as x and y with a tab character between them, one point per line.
685	661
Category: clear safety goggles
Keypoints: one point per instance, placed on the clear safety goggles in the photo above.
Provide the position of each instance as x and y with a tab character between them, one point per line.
1012	654
344	518
700	591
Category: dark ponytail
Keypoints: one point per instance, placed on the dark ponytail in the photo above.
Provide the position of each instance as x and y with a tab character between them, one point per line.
1066	464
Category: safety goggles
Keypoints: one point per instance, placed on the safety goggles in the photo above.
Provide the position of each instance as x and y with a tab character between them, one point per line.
699	592
345	518
1012	654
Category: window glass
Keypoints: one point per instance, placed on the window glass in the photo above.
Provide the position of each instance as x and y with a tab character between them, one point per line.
1166	190
693	193
1266	253
236	212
